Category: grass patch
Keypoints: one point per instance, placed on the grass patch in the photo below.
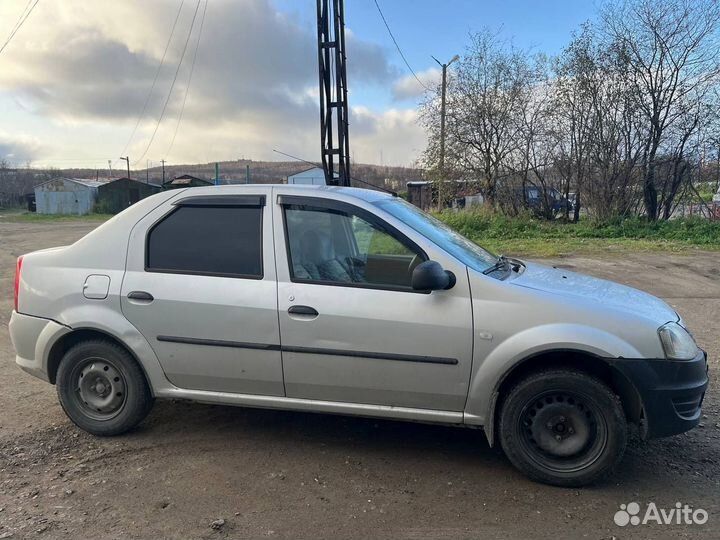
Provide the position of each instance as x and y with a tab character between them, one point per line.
526	235
15	216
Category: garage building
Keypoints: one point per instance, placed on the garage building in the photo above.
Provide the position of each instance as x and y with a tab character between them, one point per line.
116	196
67	195
315	176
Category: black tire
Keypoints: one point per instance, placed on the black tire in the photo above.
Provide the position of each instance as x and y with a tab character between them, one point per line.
563	427
102	389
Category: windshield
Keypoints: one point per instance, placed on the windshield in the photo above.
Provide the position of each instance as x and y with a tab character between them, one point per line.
436	231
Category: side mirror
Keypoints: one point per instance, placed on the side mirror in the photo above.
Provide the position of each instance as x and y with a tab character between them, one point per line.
430	276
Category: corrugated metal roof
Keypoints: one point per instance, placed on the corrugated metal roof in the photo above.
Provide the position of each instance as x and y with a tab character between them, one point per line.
90	183
133	180
83	181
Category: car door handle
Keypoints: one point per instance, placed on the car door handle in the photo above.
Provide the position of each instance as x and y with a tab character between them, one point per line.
141	297
303	310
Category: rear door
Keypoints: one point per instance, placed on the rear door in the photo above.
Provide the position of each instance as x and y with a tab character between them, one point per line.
201	288
352	328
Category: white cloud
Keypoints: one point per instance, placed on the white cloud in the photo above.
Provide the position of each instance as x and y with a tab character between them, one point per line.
395	132
408	87
89	65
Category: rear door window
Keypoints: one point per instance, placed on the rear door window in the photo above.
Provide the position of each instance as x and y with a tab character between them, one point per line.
207	240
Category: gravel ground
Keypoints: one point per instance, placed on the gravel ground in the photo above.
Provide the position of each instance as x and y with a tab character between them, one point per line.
199	471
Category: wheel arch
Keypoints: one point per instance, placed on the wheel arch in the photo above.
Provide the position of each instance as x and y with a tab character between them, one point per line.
586	362
79	335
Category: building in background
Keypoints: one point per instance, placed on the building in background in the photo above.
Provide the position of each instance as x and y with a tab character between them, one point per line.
185	181
67	195
116	196
420	194
313	176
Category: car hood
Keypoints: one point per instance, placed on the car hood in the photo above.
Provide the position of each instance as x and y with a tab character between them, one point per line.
579	287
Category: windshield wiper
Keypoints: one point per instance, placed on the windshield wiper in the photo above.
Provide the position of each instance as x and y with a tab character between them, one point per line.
501	263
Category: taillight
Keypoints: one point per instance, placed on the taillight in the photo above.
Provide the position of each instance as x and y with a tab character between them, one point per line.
18	267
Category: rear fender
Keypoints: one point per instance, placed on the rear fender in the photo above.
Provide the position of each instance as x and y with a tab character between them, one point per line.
107	320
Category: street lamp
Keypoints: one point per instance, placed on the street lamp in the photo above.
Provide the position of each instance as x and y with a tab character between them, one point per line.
442	124
127	160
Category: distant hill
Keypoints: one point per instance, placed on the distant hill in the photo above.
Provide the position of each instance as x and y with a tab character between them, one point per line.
262	172
16	182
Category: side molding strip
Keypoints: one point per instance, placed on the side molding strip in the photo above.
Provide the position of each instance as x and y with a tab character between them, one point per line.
220	343
310	350
374	355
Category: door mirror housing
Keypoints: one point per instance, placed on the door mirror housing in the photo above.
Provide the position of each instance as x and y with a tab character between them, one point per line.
430	276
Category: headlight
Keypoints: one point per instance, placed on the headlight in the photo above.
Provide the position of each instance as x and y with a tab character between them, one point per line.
677	342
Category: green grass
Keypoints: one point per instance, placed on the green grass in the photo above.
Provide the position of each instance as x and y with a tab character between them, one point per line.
20	216
528	236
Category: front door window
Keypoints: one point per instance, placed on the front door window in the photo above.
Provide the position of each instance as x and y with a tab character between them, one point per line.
341	247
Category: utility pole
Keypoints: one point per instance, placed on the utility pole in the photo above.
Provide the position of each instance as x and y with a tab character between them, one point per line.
247	173
110	167
147	171
126	159
334	111
163	171
217	173
442	126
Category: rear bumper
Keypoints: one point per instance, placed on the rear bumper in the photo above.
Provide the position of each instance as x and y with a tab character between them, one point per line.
32	338
671	392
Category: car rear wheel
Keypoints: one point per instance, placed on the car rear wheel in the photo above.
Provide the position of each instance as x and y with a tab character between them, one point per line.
563	427
102	389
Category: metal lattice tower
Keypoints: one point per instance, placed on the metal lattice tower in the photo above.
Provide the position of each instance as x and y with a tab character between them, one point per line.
334	140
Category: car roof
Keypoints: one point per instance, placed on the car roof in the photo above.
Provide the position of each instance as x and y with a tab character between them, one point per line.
368	195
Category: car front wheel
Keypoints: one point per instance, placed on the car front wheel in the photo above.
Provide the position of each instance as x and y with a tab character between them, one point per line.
563	427
102	389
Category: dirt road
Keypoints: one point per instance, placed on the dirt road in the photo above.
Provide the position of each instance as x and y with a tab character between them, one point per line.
290	475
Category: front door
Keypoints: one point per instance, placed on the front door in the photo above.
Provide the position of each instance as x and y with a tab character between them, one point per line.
202	290
352	328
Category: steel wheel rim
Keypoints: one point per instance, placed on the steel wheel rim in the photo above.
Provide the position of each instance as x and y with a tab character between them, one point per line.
562	431
100	389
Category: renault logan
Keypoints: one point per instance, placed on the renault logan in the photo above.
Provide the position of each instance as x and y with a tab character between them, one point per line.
349	301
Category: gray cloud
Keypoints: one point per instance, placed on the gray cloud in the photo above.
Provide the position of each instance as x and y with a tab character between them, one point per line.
17	150
251	57
255	80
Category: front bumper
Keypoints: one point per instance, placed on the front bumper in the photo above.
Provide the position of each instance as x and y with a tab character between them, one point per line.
671	392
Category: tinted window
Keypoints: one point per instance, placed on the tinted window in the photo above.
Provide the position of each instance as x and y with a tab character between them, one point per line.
205	240
333	246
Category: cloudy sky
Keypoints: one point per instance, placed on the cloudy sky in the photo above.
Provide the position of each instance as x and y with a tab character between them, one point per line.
76	77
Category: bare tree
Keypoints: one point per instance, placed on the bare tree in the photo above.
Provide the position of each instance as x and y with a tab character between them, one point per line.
623	122
539	141
575	85
672	51
486	94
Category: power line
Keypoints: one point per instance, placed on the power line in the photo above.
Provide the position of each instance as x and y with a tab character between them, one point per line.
397	46
19	24
319	166
162	114
157	74
22	14
187	88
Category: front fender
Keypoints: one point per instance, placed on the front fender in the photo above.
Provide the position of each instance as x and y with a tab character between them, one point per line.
486	378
